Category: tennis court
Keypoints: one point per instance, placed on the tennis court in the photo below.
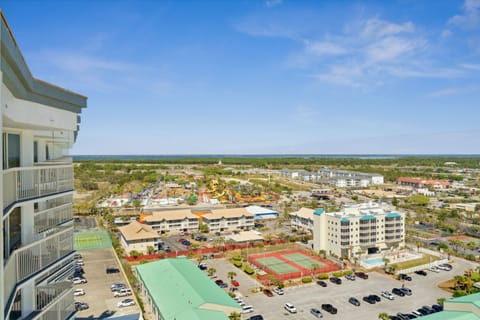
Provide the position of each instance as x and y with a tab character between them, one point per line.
303	260
276	265
91	240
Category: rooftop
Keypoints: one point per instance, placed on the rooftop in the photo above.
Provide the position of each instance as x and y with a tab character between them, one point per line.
137	231
181	291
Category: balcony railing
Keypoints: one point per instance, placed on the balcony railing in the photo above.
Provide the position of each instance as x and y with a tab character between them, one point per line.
50	218
34	257
62	307
25	183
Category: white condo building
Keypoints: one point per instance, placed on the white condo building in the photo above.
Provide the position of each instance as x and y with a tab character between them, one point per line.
39	125
367	228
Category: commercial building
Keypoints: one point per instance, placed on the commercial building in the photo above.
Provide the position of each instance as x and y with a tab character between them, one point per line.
302	219
138	236
39	124
172	221
176	289
419	183
337	178
462	308
228	219
367	228
262	213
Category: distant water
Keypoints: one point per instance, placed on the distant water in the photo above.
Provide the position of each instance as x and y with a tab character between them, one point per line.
304	156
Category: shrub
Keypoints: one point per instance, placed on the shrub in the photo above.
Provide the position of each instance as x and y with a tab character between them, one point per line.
347	272
237	264
323	276
248	270
306	279
338	274
237	258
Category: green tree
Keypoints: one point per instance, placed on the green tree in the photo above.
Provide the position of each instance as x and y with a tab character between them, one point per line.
383	316
150	249
135	254
235	316
231	274
419	200
211	271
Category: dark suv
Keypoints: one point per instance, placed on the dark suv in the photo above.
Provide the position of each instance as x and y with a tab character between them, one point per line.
329	308
112	270
398	292
404	276
336	280
362	275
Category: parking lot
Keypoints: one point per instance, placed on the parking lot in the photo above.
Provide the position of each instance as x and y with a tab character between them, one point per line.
98	294
425	292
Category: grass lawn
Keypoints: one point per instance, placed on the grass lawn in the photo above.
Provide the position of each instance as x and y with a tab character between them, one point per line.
417	262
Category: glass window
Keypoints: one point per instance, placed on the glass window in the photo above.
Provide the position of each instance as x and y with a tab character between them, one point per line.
35	151
11	150
15	229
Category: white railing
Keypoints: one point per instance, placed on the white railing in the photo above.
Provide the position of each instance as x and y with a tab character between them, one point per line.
32	258
422	267
25	183
60	309
50	218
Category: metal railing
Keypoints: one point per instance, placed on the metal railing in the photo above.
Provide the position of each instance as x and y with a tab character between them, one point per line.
25	183
60	308
51	218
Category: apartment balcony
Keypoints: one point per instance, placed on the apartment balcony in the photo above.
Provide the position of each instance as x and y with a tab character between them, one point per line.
54	302
50	218
32	258
24	183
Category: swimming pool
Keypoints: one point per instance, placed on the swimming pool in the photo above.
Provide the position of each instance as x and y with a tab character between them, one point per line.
373	262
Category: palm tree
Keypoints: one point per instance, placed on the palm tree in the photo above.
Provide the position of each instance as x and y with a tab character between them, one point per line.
232	274
235	316
211	271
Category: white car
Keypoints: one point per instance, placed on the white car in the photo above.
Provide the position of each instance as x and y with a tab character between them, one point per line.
78	280
79	263
247	309
79	292
290	307
126	303
122	293
434	269
388	295
278	291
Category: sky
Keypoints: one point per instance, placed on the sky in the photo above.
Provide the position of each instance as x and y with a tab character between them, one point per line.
261	77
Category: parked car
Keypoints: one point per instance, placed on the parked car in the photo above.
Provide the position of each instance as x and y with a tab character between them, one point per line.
362	275
77	256
112	270
79	292
421	272
79	280
81	306
290	307
377	298
354	301
404	276
117	286
322	283
126	303
329	308
256	317
122	293
181	240
407	291
235	283
221	284
434	269
267	292
446	266
247	309
186	243
437	308
387	294
336	280
398	292
203	266
369	299
79	262
350	277
278	291
316	313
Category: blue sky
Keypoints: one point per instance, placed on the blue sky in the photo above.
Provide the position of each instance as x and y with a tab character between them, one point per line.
257	77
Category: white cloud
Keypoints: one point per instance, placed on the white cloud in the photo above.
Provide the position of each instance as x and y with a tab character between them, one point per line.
391	48
273	3
470	17
319	48
452	91
347	75
475	67
446	34
375	28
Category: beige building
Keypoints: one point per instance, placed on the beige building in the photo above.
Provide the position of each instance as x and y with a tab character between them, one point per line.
228	219
172	221
367	228
137	236
302	219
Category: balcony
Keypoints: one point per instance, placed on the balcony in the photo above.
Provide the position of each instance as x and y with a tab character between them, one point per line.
26	183
30	259
60	307
50	218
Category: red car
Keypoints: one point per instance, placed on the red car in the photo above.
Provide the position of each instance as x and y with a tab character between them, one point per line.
235	283
181	240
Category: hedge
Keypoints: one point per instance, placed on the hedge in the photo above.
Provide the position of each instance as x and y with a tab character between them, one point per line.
238	264
307	280
248	270
323	276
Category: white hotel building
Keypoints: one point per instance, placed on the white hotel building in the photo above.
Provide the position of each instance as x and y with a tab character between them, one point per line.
39	124
367	228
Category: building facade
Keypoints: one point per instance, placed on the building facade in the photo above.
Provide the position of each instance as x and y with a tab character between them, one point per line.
337	178
39	125
364	228
139	237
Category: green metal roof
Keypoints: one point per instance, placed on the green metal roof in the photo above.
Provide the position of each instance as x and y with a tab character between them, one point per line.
392	215
471	298
318	212
368	217
451	315
179	289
